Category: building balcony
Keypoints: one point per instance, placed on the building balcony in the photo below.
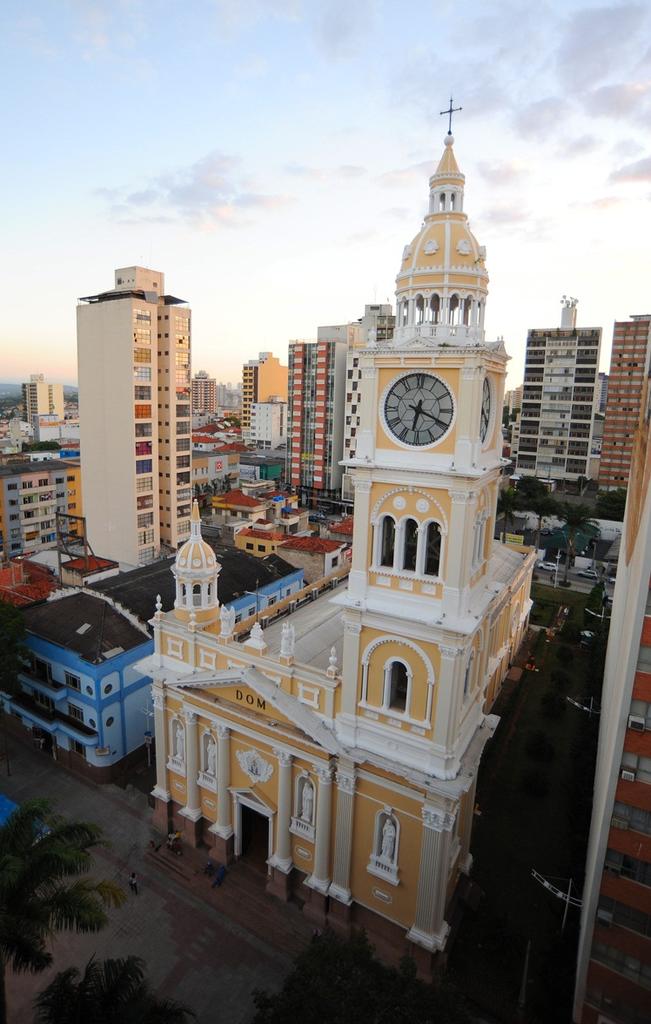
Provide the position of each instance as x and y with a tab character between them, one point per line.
52	719
50	687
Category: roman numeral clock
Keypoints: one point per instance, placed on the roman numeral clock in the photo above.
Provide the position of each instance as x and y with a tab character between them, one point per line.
418	409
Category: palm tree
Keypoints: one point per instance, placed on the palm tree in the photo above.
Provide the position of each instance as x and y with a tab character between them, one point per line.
577	520
41	893
541	506
108	992
507	503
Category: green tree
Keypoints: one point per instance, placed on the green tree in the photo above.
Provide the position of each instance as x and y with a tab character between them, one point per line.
577	519
335	981
108	992
12	646
507	505
41	892
611	504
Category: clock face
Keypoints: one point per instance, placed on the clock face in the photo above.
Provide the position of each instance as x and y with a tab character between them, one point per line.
418	409
485	410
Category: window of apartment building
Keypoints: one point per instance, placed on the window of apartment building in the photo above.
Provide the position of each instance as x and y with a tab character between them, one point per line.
147	554
78	748
142	355
182	461
75	712
146	537
146	519
142	393
12	487
145	484
43	700
143	447
183	444
142	412
145	466
142	373
143	429
73	681
145	501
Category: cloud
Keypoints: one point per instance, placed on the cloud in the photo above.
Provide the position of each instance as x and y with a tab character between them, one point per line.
397	212
579	146
340	24
211	192
640	170
325	173
504	214
602	203
627	147
619	101
538	120
406	175
503	173
597	39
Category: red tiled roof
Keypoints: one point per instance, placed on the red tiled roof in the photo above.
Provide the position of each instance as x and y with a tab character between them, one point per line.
317	545
239	499
91	563
23	583
345	526
261	534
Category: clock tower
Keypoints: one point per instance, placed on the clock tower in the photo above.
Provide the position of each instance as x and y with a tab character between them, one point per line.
426	469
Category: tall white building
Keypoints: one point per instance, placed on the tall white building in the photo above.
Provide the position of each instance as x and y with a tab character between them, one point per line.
41	398
133	349
268	427
558	402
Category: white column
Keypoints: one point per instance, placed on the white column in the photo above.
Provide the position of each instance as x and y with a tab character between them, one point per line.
465	859
282	856
320	877
359	564
192	809
340	887
448	698
430	930
223	826
160	790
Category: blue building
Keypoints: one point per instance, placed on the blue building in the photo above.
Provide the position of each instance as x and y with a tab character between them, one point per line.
80	696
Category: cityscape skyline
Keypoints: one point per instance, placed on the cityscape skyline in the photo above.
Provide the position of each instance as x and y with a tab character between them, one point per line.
225	171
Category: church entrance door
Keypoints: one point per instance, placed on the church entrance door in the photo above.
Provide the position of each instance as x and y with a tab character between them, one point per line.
253	831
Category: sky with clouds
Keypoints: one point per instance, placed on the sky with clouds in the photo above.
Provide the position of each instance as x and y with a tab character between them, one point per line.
272	157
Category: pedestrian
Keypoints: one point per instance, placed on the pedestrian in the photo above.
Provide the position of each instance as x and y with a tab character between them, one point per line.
133	883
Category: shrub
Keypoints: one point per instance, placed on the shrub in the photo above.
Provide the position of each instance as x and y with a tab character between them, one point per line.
535	783
552	705
539	747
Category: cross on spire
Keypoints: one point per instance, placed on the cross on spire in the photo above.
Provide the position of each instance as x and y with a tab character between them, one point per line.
450	111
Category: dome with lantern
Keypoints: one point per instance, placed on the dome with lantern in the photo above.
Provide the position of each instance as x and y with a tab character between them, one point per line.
442	283
196	571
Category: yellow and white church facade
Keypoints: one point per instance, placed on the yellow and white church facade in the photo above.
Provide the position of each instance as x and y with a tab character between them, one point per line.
349	732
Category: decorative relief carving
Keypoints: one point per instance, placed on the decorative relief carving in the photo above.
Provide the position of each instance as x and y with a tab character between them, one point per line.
464	248
422	505
399	502
284	758
431	247
440	821
324	773
346	783
223	732
254	765
190	717
158	700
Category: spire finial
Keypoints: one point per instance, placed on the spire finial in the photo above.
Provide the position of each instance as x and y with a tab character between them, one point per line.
450	111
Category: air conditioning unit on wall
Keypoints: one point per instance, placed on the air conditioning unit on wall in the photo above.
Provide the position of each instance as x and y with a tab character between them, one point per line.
637	723
619	823
627	776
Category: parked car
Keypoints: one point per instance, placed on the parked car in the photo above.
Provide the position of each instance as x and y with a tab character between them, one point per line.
587	638
588	574
547	566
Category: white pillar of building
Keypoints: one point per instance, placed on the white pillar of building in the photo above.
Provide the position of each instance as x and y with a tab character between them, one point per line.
340	886
282	856
192	809
223	826
430	930
320	877
465	859
160	790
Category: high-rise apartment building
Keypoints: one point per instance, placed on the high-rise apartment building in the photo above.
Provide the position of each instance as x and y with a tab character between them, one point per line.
317	398
513	399
31	494
602	392
375	328
268	428
204	393
134	407
630	362
40	398
613	984
558	400
262	379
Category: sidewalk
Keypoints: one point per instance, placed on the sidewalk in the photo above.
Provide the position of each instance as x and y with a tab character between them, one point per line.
200	944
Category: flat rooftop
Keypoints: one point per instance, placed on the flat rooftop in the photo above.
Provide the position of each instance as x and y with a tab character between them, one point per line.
318	626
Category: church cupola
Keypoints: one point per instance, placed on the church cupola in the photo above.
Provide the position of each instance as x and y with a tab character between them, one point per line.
196	571
442	284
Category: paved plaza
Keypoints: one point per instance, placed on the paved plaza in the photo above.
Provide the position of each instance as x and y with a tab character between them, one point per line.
200	944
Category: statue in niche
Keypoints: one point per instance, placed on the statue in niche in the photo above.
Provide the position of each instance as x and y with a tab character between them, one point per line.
179	742
211	757
307	802
388	841
287	640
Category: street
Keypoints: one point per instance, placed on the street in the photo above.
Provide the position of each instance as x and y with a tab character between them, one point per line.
193	951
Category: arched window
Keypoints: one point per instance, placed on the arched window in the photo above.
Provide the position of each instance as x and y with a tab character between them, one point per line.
397	683
420	309
209	591
410	545
432	549
441	202
468	676
387	540
452	200
467	310
184	594
435	309
454	309
196	594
